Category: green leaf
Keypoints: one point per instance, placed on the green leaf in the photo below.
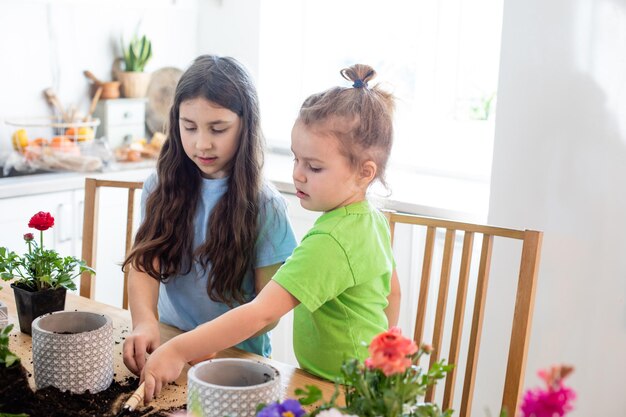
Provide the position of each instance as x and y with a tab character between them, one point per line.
310	395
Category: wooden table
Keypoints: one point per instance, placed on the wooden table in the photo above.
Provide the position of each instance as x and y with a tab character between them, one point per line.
173	395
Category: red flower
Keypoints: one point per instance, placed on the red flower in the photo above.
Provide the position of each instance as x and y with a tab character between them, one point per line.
389	352
28	237
41	221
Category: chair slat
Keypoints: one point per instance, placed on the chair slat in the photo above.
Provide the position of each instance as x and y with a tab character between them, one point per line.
477	325
422	302
442	301
459	315
522	319
90	229
130	210
89	237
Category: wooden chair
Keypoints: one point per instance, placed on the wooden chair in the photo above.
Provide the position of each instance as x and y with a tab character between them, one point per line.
90	230
522	312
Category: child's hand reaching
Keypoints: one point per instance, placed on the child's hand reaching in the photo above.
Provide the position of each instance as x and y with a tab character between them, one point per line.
145	338
163	366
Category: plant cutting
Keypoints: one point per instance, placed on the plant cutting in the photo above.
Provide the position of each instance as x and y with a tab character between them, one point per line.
388	384
41	276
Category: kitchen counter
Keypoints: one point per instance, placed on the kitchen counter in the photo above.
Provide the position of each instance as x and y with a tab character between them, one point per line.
50	182
422	194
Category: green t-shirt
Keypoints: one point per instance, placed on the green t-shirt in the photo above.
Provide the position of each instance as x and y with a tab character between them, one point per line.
341	274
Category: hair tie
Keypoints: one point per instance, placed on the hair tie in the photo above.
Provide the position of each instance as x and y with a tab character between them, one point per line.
358	84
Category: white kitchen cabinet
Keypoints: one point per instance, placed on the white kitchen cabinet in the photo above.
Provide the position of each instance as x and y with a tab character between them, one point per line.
16	212
22	197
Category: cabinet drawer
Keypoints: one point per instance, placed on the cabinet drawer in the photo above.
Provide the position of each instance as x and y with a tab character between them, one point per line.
126	112
116	135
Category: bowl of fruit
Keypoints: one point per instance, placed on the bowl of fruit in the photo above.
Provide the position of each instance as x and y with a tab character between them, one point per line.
48	144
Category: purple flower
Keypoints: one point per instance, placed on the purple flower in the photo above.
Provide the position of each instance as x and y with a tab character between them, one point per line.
547	403
288	408
554	400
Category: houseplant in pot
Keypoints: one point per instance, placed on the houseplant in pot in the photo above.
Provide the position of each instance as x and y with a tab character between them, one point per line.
40	277
136	55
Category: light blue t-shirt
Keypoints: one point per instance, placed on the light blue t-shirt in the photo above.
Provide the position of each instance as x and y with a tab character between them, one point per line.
183	299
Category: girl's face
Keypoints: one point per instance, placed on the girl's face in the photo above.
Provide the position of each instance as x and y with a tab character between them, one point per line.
210	136
323	177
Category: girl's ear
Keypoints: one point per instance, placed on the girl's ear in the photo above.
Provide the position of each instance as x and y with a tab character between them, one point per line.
368	172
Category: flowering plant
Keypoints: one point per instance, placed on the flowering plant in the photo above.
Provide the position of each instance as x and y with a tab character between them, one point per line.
554	400
388	384
40	268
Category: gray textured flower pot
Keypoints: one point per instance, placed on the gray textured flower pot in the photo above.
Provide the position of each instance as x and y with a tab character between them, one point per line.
231	387
4	315
73	350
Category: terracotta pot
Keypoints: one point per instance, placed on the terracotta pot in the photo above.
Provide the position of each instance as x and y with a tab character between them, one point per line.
134	84
73	351
232	387
110	89
32	304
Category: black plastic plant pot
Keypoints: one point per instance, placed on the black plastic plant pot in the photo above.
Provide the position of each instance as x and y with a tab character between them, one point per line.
32	304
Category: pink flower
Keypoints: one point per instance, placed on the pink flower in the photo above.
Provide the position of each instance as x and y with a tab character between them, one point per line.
389	352
555	400
28	237
41	221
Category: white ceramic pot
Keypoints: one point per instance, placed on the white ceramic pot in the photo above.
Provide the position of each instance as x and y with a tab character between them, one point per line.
73	350
231	387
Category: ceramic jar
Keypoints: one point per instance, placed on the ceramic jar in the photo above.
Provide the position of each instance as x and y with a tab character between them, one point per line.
73	350
231	387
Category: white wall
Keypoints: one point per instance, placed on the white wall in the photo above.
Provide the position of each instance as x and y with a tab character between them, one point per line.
49	43
230	28
560	166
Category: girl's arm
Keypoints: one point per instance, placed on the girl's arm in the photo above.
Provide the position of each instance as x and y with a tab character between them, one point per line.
143	295
393	309
234	326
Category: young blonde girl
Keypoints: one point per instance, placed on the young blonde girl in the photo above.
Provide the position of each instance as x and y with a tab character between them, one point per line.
341	279
213	233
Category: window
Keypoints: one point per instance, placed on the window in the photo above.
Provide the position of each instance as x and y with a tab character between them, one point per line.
439	57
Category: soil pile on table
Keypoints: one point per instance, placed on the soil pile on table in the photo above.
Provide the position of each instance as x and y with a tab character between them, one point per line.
17	397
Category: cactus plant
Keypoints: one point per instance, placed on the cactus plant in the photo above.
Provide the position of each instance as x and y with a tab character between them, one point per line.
137	53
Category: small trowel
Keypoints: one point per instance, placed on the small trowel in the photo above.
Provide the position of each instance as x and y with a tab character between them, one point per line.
132	402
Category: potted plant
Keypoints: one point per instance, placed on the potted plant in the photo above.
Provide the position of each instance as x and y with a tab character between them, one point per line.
136	55
389	383
40	277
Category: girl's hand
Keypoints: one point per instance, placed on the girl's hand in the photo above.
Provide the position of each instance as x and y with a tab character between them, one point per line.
162	367
145	338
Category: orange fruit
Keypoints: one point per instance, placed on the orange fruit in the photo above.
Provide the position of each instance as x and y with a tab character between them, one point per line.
38	142
71	132
61	142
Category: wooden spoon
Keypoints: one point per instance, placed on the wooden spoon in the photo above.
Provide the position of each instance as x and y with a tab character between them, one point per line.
94	102
55	102
92	77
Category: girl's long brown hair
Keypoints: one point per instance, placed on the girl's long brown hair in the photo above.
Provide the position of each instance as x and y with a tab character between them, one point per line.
164	242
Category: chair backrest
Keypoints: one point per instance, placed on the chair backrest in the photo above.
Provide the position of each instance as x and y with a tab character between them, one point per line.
522	311
90	230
